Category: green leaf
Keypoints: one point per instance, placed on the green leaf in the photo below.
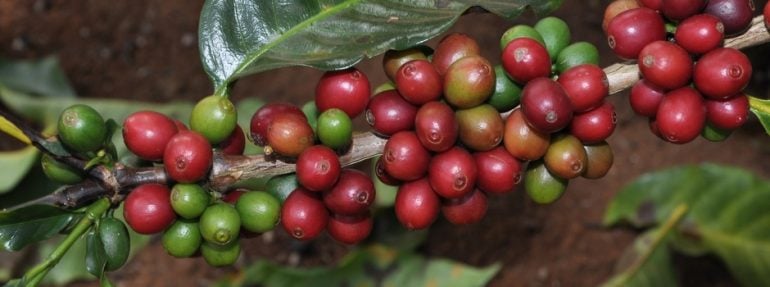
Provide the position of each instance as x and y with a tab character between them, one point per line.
727	217
70	268
32	224
656	271
42	77
96	257
761	108
14	165
241	37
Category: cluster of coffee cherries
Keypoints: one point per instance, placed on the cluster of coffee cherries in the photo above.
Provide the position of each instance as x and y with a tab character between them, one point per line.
691	84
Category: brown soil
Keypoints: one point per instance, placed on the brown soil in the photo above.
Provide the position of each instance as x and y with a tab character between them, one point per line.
147	50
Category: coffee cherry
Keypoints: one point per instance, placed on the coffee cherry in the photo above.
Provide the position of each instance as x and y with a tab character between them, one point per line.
81	128
262	118
335	129
498	171
187	157
347	90
289	135
722	73
232	197
259	211
700	34
235	143
352	195
480	128
451	48
556	34
507	94
595	125
736	15
392	60
303	215
616	7
453	173
565	157
728	114
116	242
221	255
436	127
417	205
678	10
576	54
220	224
60	172
631	30
600	160
389	113
318	168
652	4
645	98
147	208
766	14
350	229
281	186
714	134
466	210
681	115
419	82
214	117
521	140
189	200
468	82
525	59
404	157
665	64
545	105
541	185
585	85
311	113
520	31
382	175
146	134
182	239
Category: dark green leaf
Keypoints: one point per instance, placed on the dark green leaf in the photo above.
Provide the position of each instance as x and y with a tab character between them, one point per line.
656	271
32	224
42	77
14	165
241	37
761	108
96	258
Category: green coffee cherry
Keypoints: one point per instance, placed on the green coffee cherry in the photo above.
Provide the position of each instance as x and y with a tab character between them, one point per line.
555	33
542	186
259	211
116	242
281	186
182	239
60	172
335	129
507	93
519	31
189	200
81	128
221	255
214	117
220	224
577	53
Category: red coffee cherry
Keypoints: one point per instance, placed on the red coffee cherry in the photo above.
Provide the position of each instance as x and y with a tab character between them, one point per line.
545	105
586	86
453	173
525	59
187	157
146	134
681	115
416	205
466	210
235	143
262	118
498	171
665	64
652	4
352	195
678	10
645	98
419	82
303	215
468	82
722	73
350	229
521	140
289	135
766	14
318	168
451	48
382	175
147	208
436	126
389	113
631	30
594	126
728	114
404	158
736	15
392	60
700	34
347	90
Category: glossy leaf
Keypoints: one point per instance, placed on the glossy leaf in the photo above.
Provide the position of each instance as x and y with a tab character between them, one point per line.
761	109
14	165
656	271
96	257
241	37
32	224
41	77
728	214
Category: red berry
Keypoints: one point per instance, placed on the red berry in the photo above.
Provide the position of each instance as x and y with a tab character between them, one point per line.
652	4
389	113
419	82
147	208
730	113
631	30
525	59
722	73
416	205
303	215
586	86
451	48
545	105
645	98
594	126
262	118
188	157
289	134
523	141
700	34
234	144
466	210
498	171
350	229
665	64
146	134
677	10
736	15
766	14
681	115
436	126
453	173
347	90
233	196
352	195
404	158
382	175
318	168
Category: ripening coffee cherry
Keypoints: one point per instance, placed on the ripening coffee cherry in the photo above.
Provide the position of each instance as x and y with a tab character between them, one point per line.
468	82
521	140
498	171
404	157
146	134
389	113
728	114
214	117
392	60
480	128
736	15
645	98
347	90
678	10
262	118
586	86
616	7
471	208
600	160
188	157
303	215
419	82
541	185
722	73
595	125
451	48
545	105
147	208
350	229
436	126
565	157
417	205
453	173
665	64
81	128
189	200
234	144
525	59
681	115
631	30
318	168
289	135
700	33
353	194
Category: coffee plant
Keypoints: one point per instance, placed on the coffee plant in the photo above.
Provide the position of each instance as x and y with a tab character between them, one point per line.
449	131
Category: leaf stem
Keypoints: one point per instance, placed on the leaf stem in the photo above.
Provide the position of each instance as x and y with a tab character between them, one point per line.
34	275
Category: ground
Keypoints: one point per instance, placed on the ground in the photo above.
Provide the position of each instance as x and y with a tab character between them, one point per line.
147	50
